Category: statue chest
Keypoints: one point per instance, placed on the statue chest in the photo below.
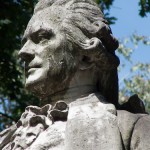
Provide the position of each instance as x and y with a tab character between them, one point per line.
92	125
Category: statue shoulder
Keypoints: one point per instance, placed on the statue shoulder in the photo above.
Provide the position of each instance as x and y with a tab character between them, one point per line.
129	126
141	133
134	105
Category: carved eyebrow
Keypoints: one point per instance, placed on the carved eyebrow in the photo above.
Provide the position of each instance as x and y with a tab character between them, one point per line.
41	30
46	32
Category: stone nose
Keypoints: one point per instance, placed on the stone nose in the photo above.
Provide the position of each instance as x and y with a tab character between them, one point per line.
27	52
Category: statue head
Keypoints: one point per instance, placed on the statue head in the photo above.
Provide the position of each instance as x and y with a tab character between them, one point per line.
68	44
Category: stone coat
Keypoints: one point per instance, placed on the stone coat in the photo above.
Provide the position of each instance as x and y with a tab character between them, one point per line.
92	124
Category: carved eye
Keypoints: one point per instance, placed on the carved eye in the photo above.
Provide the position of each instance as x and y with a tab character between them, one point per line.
44	35
41	35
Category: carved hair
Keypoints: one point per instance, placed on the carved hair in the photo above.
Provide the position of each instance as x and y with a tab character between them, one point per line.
83	20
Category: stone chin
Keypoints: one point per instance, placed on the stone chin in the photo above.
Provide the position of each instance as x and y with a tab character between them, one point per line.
46	85
35	82
38	89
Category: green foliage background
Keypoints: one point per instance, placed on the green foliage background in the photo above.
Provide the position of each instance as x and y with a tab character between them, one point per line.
14	16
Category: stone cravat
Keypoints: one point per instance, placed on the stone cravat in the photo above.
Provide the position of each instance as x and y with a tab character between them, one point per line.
32	123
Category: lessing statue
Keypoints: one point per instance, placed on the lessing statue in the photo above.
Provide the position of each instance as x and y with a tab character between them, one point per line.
70	64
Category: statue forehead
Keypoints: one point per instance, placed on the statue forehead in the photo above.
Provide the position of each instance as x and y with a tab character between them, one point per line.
46	18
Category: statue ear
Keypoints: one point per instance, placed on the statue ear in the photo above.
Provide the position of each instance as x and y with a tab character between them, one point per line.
92	45
91	48
93	52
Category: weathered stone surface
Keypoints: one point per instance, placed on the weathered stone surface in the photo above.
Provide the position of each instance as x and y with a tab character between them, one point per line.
126	123
92	125
51	139
68	44
70	64
141	134
37	128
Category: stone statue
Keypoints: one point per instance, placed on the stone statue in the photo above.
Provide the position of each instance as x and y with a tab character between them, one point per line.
70	64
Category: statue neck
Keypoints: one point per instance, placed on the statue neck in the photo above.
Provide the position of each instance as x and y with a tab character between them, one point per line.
82	84
69	95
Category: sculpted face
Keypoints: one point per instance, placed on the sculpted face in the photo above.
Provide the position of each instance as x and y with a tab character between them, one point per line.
49	57
69	46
